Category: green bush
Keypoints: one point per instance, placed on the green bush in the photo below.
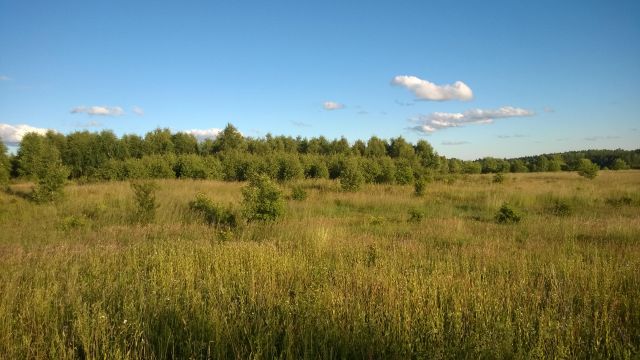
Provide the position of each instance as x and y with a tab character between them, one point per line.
588	169
298	193
50	180
498	178
560	208
145	196
5	165
420	186
215	214
506	215
351	178
416	215
289	168
262	199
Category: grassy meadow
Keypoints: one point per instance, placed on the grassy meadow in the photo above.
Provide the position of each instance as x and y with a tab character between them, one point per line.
341	275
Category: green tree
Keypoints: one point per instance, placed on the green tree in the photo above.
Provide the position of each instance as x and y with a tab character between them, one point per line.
5	165
50	175
587	169
619	164
376	147
262	199
351	178
289	168
400	148
229	139
145	196
184	143
159	142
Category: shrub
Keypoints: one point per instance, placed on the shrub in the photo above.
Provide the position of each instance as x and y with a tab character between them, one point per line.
588	169
619	164
507	215
215	214
351	178
72	222
262	199
560	208
420	187
5	165
289	168
404	172
145	200
498	178
416	215
50	181
298	193
623	200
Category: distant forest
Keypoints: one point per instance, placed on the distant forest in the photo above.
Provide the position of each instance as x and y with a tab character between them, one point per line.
233	157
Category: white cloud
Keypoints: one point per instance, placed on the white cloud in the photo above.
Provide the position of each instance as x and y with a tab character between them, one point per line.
12	134
4	78
425	90
202	134
138	110
439	120
99	110
331	105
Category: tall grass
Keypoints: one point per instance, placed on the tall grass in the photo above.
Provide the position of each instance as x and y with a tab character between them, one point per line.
342	275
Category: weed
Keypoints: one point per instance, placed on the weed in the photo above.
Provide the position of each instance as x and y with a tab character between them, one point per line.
506	215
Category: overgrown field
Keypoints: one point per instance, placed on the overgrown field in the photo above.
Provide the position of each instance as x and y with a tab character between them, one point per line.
380	273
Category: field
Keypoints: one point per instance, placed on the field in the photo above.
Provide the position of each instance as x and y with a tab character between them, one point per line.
342	275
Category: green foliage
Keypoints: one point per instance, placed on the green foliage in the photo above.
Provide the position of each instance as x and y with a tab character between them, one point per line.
507	215
289	168
145	197
404	172
5	165
420	187
351	178
587	169
316	168
73	222
619	164
50	175
298	193
215	214
262	199
416	215
498	178
560	207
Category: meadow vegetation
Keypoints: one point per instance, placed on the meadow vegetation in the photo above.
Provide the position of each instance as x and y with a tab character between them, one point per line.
174	270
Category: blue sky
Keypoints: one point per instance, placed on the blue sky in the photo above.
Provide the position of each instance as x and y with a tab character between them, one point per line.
474	78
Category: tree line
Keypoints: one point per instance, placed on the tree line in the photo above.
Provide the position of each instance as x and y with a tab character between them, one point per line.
233	157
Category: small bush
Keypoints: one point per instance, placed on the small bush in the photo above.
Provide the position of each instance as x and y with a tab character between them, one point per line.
588	169
50	182
351	178
215	214
416	215
420	187
560	208
506	215
145	200
262	199
72	222
498	178
298	193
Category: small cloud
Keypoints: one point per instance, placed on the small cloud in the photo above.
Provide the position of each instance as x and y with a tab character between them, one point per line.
549	110
363	112
4	78
331	105
439	120
425	90
138	110
98	110
300	124
454	143
12	134
203	134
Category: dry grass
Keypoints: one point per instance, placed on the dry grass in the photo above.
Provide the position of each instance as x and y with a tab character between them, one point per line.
343	275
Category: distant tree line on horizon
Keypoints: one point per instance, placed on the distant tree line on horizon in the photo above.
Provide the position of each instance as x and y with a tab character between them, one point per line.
232	157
